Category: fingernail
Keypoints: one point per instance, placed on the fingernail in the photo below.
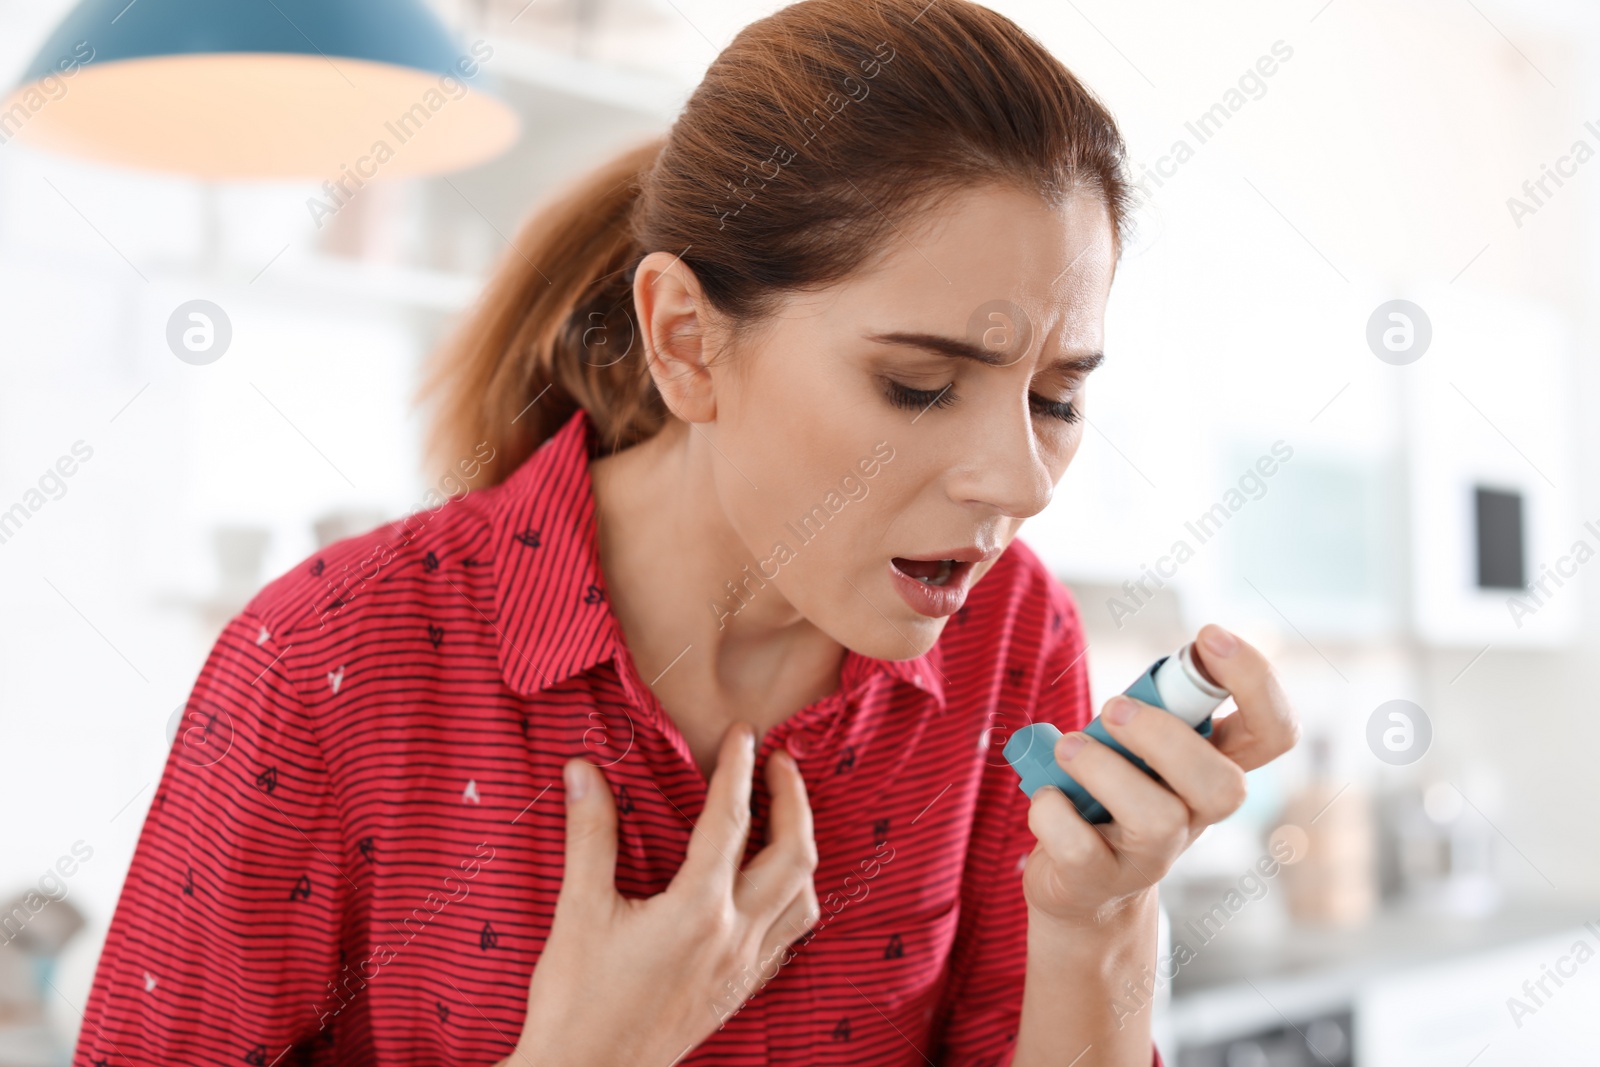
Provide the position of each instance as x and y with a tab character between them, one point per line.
577	782
1121	710
1220	641
1069	745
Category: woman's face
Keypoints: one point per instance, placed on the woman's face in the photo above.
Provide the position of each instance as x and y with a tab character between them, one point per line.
915	414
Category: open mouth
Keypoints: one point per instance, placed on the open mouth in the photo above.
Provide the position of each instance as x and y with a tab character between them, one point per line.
936	588
936	572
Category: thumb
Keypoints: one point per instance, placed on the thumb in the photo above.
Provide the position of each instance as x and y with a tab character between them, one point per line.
591	861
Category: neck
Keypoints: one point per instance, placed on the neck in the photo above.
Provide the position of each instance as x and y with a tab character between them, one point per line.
668	552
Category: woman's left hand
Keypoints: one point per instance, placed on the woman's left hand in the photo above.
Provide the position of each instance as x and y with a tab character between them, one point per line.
1080	874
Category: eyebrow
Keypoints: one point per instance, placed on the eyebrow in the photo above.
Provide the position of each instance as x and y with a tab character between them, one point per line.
956	348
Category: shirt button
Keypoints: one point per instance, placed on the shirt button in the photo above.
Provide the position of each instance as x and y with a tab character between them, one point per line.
796	747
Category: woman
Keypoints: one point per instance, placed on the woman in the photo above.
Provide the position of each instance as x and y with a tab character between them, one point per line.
696	700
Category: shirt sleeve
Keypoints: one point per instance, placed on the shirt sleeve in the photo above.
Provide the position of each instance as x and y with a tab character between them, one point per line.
224	943
982	1006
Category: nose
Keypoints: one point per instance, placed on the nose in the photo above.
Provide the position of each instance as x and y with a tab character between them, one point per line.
999	467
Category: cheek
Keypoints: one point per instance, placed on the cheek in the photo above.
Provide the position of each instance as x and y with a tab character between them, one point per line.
1060	451
832	530
837	542
779	436
787	504
1067	455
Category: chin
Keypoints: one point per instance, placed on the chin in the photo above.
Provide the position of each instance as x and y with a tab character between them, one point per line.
897	638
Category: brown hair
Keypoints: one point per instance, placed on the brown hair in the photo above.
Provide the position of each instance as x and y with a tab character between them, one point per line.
815	135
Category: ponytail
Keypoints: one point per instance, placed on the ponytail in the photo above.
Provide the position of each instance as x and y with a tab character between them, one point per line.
554	331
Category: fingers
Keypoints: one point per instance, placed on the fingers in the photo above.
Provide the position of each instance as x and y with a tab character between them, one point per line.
1150	818
1265	726
1067	837
591	849
783	869
716	847
793	923
1209	782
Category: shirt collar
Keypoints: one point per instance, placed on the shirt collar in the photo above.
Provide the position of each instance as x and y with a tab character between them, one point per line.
551	609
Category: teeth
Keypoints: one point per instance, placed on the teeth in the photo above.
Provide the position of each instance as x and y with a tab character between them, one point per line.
946	566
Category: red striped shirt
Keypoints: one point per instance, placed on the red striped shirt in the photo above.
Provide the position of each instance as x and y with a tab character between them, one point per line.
355	849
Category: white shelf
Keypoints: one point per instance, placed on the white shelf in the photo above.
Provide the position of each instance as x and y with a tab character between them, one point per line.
381	282
651	95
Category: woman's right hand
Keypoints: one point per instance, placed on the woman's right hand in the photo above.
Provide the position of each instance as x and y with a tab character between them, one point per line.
646	980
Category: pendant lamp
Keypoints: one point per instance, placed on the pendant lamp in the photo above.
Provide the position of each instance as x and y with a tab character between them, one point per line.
260	89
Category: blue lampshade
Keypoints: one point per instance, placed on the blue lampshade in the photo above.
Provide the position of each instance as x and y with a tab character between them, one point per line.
261	89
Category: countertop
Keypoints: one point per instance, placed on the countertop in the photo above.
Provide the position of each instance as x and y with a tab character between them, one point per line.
1236	983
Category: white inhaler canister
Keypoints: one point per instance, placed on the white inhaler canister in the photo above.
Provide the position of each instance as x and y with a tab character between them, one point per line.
1182	687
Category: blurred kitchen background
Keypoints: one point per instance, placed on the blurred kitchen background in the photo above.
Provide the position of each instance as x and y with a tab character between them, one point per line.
1350	346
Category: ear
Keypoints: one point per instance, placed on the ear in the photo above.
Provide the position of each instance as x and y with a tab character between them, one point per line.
669	308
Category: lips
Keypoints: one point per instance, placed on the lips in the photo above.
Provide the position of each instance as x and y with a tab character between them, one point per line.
943	565
929	571
936	585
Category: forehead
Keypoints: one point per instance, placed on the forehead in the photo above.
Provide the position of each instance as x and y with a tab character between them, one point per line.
992	250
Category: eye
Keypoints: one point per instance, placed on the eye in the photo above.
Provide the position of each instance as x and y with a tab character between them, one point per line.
1065	410
903	396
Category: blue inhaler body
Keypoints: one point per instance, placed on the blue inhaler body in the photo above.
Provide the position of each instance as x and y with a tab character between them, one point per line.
1174	683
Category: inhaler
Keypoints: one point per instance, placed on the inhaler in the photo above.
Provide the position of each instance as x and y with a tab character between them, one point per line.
1176	684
